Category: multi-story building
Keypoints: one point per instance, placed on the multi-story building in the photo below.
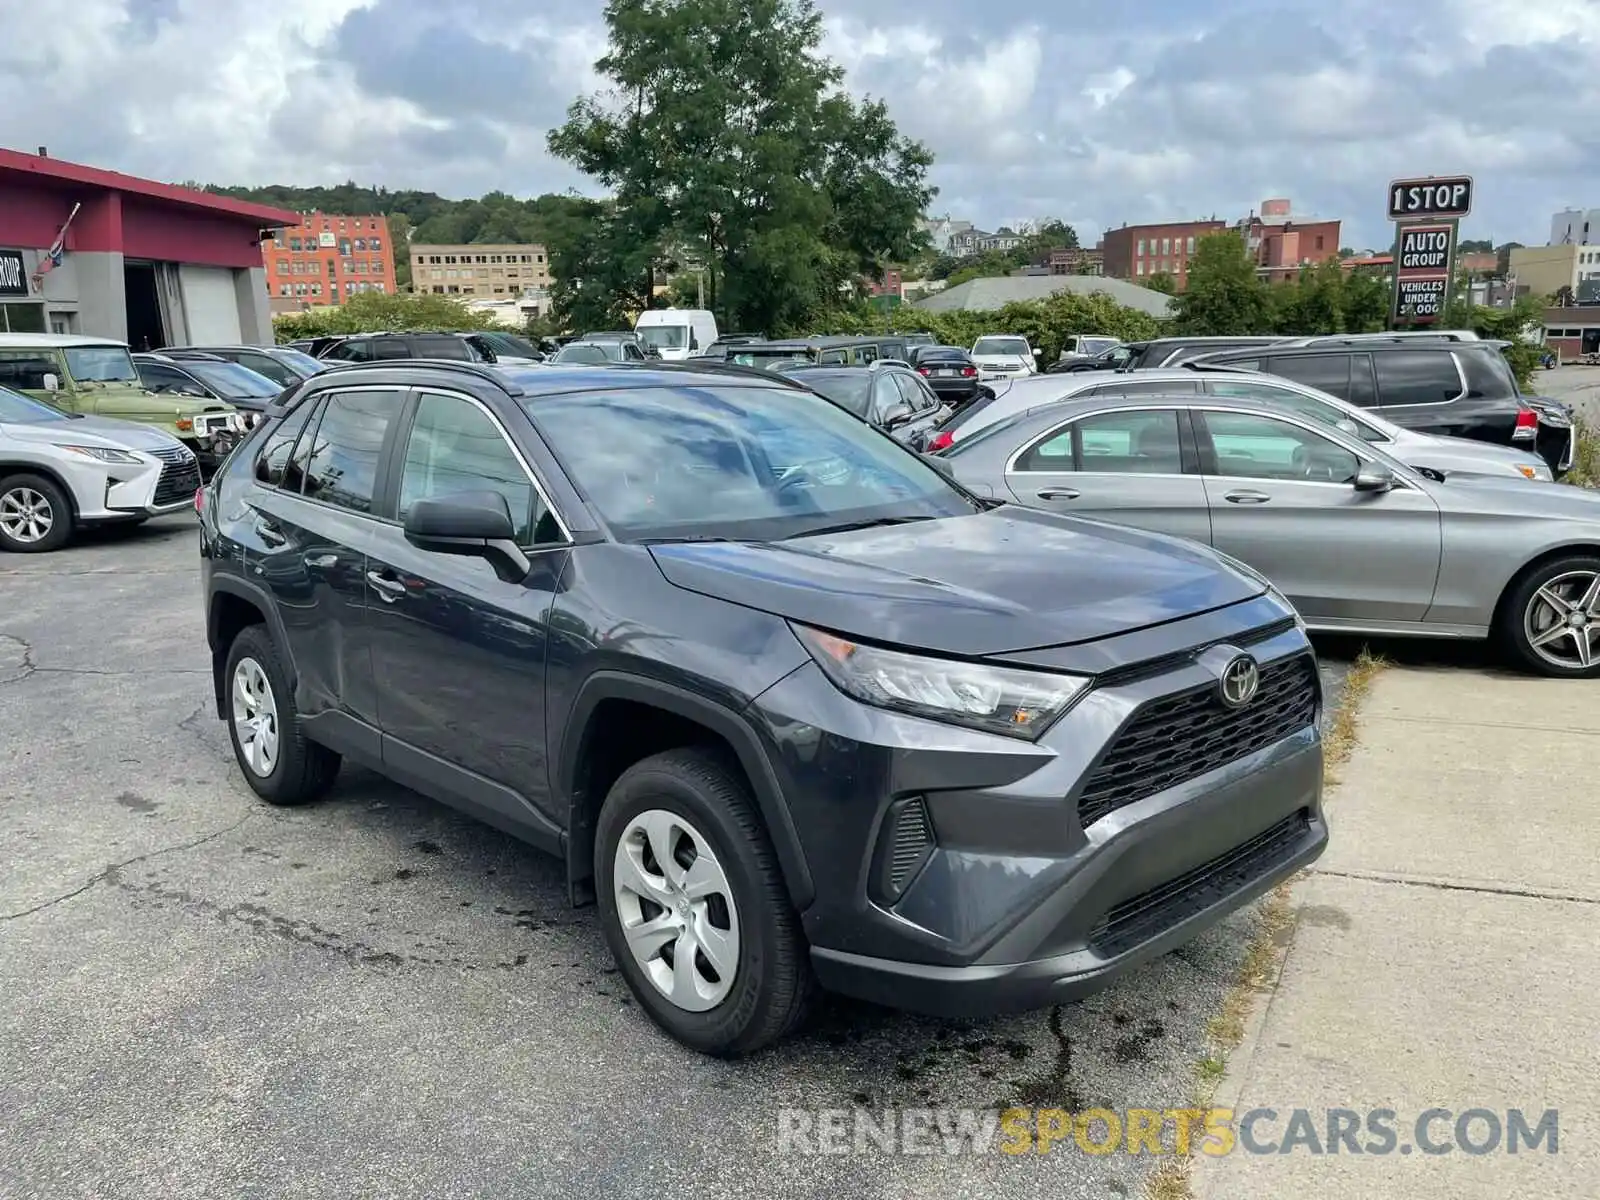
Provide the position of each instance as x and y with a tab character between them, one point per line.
1576	227
326	259
1136	252
892	283
1569	271
1282	243
1076	260
941	230
478	270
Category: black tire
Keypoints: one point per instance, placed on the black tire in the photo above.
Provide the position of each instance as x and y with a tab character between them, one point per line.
302	770
1512	633
773	986
60	514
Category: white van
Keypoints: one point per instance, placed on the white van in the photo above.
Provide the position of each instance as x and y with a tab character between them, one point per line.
676	332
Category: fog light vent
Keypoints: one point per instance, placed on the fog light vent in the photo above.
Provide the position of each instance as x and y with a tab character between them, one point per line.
910	842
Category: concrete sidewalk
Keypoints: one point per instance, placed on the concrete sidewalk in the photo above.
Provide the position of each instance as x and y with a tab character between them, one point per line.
1446	953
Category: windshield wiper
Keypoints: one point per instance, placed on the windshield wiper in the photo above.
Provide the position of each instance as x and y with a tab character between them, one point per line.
872	523
687	539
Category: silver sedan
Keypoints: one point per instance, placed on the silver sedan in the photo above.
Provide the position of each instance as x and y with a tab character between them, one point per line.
1423	450
1358	541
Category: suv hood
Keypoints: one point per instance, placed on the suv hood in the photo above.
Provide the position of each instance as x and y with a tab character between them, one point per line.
95	431
998	582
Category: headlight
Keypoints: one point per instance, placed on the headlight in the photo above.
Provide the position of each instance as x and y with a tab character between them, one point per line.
103	453
997	699
1539	473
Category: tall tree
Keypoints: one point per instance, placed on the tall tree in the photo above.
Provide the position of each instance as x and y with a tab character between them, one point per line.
727	128
1224	295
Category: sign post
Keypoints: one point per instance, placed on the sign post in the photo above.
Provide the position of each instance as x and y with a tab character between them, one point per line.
1427	217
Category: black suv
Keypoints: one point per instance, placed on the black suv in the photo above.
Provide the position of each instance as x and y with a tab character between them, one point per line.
892	397
1452	388
379	347
793	707
1158	352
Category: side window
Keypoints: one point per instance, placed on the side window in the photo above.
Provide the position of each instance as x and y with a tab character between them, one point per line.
1326	372
915	392
1134	442
165	379
343	466
351	351
1251	446
1306	406
455	447
389	348
1488	376
1416	377
272	463
886	398
26	372
265	364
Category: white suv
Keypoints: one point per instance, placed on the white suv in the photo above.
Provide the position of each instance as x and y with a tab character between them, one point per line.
61	471
1003	356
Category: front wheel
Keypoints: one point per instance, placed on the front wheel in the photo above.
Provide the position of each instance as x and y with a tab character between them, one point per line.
694	908
35	514
1551	619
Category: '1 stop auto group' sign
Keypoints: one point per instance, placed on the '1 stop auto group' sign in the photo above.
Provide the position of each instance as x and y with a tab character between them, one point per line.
1427	213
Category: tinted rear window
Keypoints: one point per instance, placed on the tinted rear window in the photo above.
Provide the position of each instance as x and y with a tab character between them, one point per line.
1488	374
1416	377
1326	372
441	347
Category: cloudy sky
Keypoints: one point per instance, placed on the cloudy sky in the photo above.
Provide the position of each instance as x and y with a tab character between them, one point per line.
1099	113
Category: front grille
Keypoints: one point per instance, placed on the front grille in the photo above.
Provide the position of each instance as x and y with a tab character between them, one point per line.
180	476
1178	738
1153	912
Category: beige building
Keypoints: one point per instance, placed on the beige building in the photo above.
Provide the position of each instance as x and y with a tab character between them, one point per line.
1545	270
478	270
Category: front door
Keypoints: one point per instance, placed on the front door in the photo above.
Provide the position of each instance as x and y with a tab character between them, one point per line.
1126	465
460	652
311	529
1283	501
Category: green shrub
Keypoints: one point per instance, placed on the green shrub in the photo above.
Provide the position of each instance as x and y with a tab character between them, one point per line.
371	312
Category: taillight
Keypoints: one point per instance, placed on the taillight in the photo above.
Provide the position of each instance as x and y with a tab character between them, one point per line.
969	372
1527	424
942	440
924	370
199	500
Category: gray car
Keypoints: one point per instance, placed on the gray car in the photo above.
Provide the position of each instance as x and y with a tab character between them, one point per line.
1357	540
1424	451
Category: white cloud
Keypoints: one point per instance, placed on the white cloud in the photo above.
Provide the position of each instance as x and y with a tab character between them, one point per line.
1166	109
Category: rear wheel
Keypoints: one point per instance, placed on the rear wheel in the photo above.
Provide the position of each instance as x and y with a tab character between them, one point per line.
1551	618
279	762
35	514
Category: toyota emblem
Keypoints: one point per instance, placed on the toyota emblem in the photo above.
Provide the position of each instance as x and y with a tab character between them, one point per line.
1240	679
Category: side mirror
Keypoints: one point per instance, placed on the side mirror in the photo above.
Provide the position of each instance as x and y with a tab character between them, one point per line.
474	524
897	416
1035	351
694	342
50	382
1371	478
1345	425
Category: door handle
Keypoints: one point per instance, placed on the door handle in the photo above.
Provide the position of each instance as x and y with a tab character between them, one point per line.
1057	494
1247	497
269	532
389	590
323	561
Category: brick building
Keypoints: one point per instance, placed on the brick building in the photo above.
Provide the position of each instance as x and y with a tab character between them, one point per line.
1076	260
1136	252
328	258
479	270
892	283
1282	243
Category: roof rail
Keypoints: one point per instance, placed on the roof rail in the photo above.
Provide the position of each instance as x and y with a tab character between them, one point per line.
699	366
482	370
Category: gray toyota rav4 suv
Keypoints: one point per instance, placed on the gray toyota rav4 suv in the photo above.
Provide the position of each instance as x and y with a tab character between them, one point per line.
793	706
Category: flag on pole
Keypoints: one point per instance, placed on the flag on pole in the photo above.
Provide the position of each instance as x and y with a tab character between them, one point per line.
51	259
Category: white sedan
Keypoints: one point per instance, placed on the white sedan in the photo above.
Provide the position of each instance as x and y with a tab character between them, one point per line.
61	471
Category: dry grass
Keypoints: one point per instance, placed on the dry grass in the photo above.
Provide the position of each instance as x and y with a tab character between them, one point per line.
1171	1178
1586	459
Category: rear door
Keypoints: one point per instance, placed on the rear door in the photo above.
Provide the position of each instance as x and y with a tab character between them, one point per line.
1126	465
1282	501
1326	372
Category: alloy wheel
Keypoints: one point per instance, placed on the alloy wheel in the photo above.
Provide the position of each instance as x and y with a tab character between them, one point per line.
1562	620
676	910
255	717
26	515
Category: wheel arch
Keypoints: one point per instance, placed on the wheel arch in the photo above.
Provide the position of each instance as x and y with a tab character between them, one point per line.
9	467
729	727
1573	549
228	610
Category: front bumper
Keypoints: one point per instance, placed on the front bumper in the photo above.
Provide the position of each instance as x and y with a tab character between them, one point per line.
1027	886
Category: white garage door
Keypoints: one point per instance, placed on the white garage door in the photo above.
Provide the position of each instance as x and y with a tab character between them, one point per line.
210	306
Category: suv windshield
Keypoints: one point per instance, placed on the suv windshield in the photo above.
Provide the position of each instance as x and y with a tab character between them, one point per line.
230	380
1002	345
23	410
101	364
585	352
664	337
735	462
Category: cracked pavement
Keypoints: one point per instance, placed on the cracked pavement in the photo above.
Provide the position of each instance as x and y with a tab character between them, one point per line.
202	996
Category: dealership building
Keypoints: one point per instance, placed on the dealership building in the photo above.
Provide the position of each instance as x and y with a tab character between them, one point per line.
96	252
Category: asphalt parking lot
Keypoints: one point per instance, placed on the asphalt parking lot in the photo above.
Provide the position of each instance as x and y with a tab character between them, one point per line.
202	996
1579	386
